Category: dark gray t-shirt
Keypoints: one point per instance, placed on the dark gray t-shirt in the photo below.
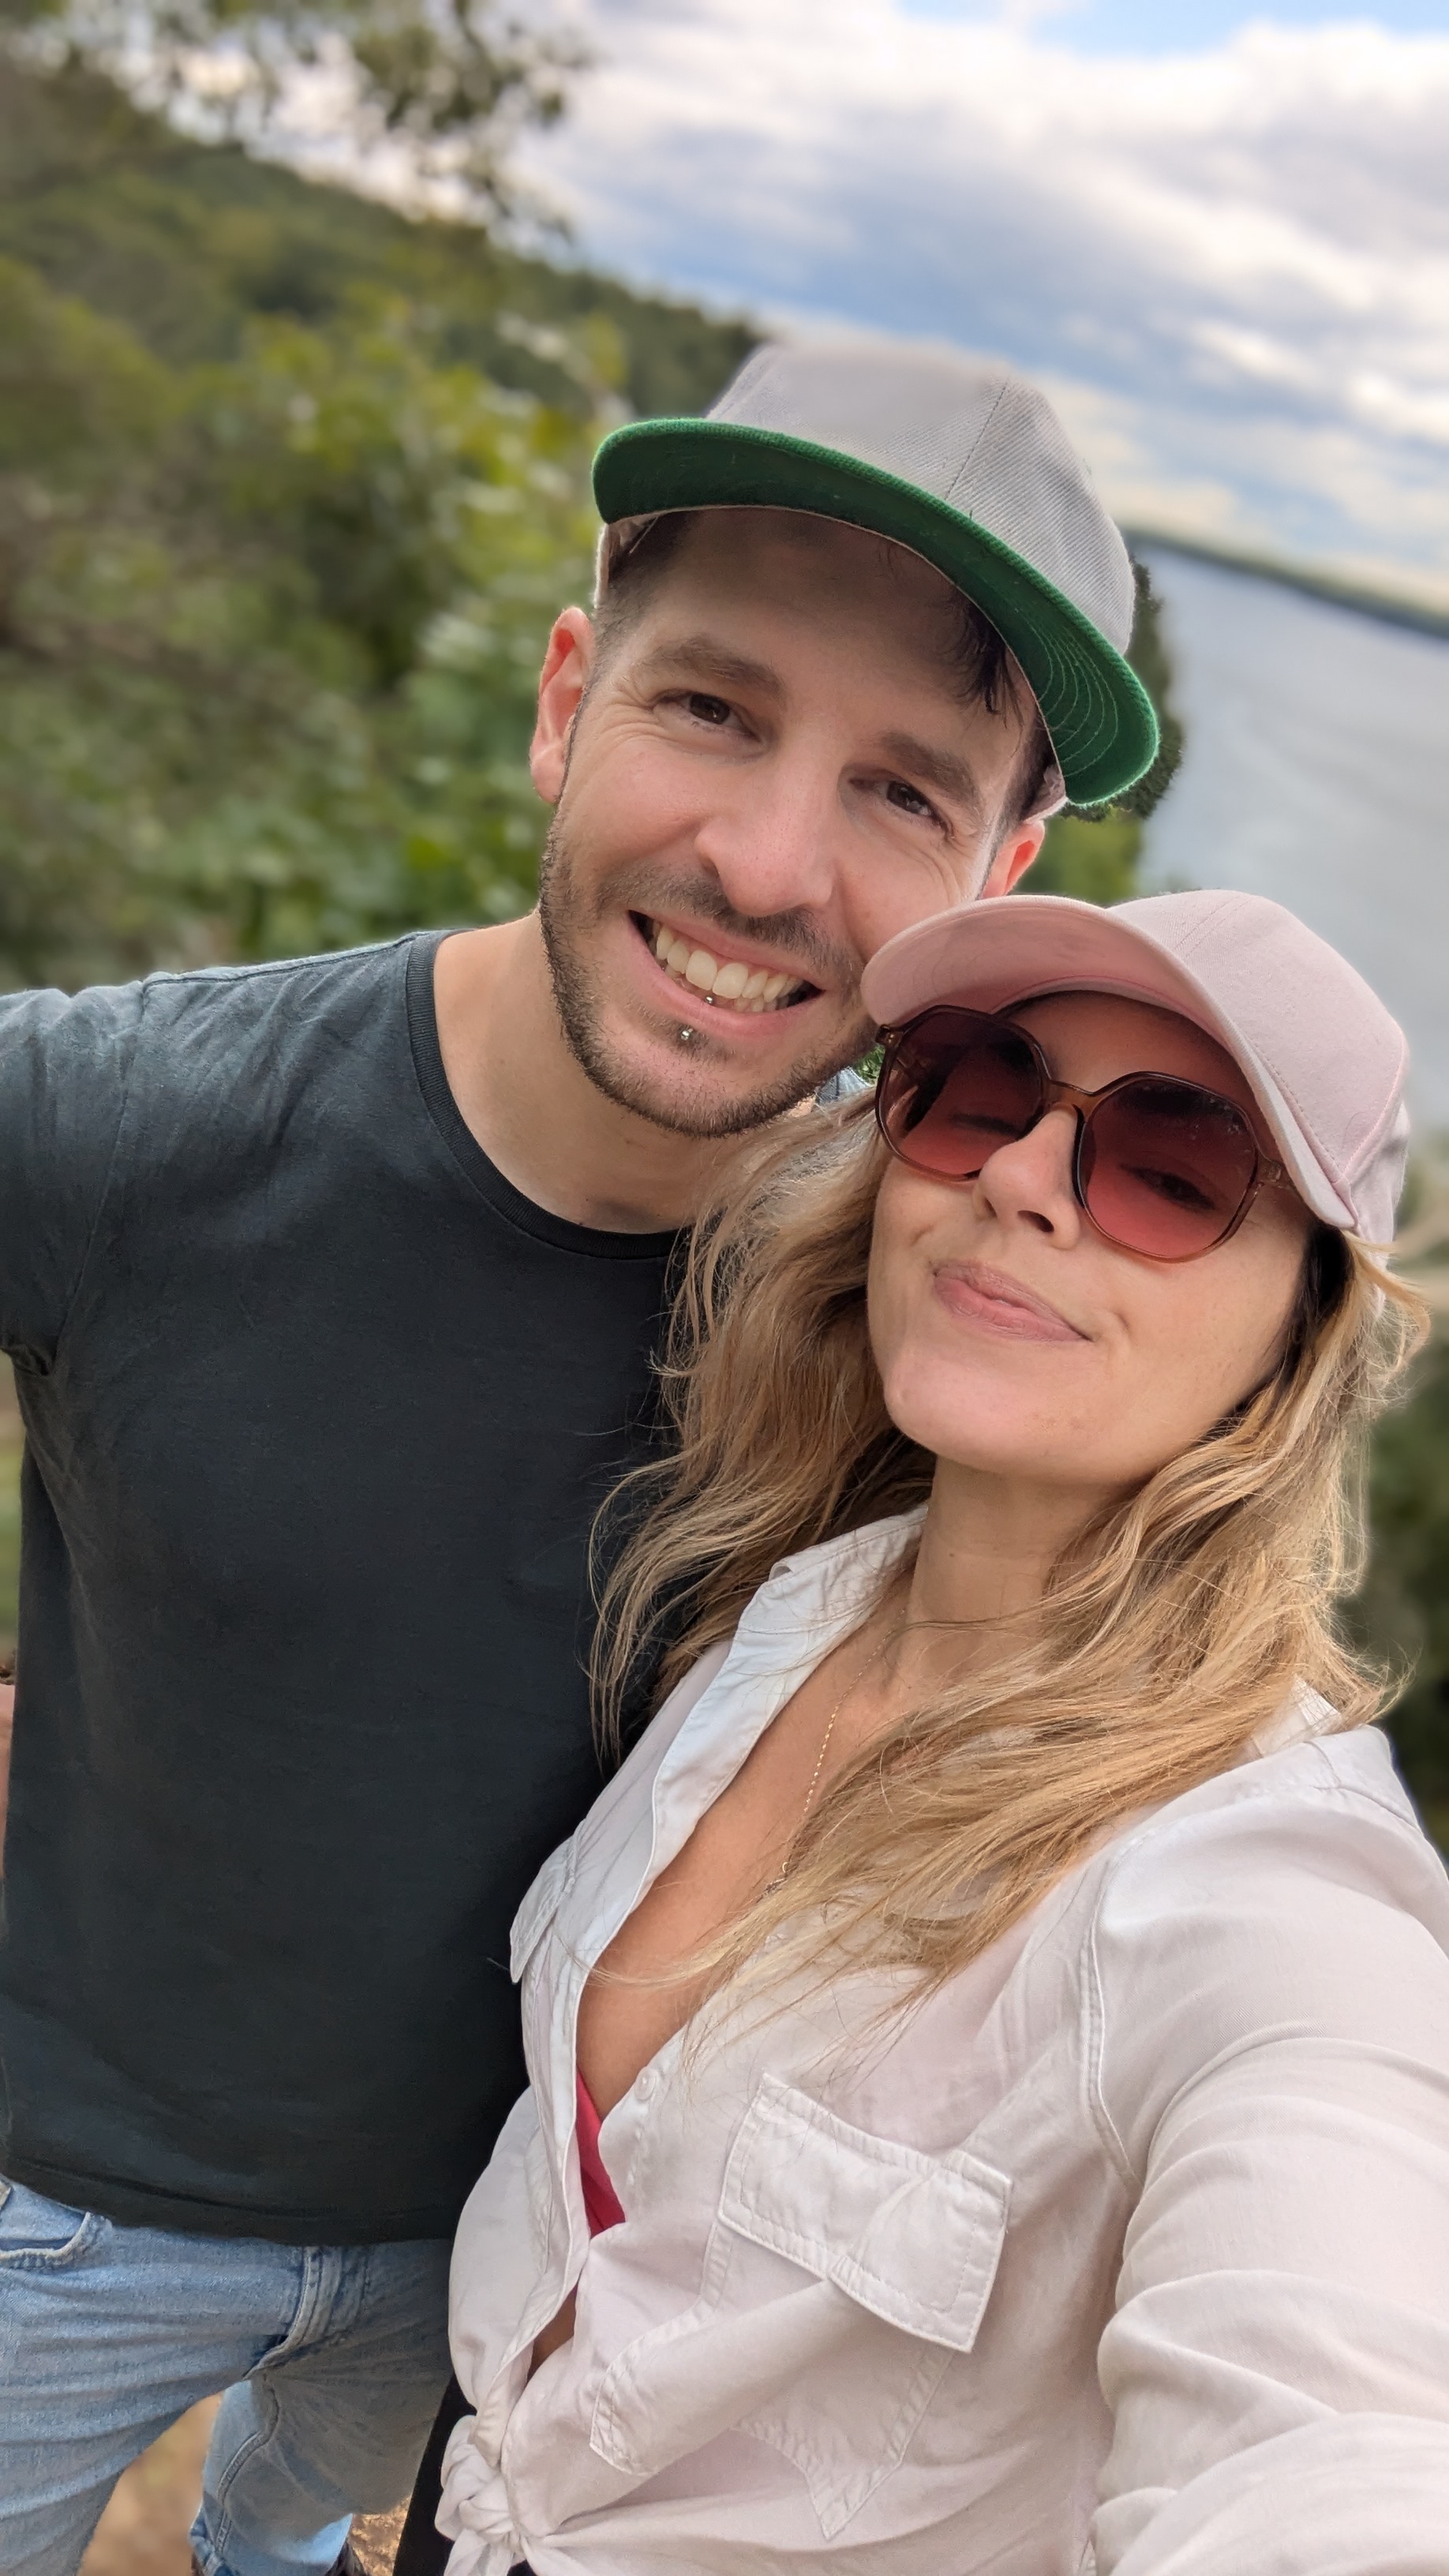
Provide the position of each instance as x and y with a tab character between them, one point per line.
318	1410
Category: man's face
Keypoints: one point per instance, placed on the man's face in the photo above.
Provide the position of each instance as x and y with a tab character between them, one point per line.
770	770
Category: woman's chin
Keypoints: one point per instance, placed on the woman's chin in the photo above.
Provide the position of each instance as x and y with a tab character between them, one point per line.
981	1446
984	1417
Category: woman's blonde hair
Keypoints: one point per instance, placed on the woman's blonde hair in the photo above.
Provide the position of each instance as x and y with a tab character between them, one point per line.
1172	1629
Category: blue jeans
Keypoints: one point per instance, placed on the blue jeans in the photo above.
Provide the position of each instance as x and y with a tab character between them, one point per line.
332	2359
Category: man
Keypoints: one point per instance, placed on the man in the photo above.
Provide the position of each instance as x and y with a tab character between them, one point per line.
331	1288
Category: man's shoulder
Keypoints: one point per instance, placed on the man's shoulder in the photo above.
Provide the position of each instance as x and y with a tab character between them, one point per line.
335	979
243	1050
267	1029
183	1019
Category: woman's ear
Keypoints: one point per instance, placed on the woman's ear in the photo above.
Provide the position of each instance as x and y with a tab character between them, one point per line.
567	668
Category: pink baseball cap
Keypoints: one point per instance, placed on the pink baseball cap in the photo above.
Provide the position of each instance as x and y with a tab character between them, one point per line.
1325	1062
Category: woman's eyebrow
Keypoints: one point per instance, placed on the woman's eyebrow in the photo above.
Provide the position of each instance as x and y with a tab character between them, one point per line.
943	770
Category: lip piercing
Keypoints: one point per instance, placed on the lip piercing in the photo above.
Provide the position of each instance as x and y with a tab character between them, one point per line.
687	1035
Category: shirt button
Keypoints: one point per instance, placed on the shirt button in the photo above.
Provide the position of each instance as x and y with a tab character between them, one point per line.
646	2085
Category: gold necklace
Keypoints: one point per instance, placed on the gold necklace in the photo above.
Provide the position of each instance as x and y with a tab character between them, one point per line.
857	1677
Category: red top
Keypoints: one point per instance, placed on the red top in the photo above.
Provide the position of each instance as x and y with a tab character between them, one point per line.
601	2202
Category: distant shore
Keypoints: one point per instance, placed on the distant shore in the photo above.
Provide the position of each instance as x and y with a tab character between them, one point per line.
1389	608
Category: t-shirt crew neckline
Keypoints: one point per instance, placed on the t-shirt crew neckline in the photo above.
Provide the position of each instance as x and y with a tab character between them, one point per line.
475	1166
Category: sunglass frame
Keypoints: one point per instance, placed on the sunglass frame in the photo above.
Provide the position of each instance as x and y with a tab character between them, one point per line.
1068	1095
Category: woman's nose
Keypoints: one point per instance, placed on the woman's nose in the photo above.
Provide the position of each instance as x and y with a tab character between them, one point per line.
1029	1181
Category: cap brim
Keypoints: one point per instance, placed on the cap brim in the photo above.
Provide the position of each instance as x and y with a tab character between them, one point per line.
991	955
1099	716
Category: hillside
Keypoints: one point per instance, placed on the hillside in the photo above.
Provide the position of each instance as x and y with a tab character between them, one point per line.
186	243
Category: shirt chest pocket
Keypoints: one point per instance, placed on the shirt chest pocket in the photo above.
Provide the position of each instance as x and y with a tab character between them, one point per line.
843	2274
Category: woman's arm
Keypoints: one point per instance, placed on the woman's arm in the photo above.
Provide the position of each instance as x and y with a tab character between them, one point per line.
1274	2067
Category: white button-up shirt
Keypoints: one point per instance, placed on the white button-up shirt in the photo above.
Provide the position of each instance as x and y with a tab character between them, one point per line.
1127	2250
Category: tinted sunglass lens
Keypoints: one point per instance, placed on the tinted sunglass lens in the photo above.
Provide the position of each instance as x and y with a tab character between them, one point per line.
953	1090
1166	1167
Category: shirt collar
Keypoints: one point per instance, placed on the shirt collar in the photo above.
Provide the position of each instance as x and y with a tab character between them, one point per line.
811	1601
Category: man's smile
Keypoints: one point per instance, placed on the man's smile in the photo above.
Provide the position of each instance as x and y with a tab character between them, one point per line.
725	983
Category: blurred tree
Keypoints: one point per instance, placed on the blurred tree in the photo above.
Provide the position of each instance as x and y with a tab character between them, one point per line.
269	631
1404	1609
453	82
189	242
1092	856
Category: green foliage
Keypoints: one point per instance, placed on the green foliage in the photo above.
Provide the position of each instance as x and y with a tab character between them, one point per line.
1093	857
1403	1611
270	631
1148	656
189	243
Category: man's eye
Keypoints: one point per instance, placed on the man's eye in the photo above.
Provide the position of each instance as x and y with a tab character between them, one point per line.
909	800
707	710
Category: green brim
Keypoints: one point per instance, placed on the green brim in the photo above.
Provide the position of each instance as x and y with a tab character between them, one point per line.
1096	710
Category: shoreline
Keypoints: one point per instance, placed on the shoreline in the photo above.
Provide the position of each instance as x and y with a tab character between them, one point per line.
1386	608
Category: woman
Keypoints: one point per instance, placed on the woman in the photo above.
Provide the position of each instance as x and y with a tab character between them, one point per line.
1009	1975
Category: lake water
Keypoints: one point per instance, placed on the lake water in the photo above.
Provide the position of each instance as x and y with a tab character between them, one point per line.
1317	771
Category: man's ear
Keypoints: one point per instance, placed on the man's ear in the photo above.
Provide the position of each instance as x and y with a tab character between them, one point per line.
1015	855
567	666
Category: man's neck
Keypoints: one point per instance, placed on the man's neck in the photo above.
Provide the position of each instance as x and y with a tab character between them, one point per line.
533	1109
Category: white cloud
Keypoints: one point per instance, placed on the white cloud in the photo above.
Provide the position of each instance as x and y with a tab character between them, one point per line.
1233	266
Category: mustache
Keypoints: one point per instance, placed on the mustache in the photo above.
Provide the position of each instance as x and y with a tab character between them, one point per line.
821	960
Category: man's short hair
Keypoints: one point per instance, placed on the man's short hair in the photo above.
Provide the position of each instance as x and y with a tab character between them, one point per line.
983	670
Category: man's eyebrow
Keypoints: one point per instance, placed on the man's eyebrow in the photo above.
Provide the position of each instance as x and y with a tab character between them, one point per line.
701	657
932	767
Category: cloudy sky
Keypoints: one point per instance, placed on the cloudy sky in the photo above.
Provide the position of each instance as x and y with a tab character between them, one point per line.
1221	240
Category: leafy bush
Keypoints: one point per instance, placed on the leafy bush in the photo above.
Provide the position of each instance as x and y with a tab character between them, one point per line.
269	631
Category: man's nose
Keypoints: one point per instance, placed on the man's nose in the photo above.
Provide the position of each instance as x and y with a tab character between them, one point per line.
1029	1181
774	842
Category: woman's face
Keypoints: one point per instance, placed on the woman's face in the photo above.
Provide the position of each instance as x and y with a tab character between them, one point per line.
1012	1339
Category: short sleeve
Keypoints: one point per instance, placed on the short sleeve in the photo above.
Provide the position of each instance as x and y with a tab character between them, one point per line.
1273	1993
65	1063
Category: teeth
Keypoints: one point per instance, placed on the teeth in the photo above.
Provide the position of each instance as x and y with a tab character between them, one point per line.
742	987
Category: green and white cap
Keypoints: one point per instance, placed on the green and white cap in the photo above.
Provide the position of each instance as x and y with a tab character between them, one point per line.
954	457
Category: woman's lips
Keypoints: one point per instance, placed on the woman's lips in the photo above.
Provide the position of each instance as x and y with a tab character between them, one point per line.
999	1303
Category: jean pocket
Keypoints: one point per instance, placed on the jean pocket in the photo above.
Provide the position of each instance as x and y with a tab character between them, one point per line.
40	2235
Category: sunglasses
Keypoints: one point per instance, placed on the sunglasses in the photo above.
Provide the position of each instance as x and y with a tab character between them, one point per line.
1160	1167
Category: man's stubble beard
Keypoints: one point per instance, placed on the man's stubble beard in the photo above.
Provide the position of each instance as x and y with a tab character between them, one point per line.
565	923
